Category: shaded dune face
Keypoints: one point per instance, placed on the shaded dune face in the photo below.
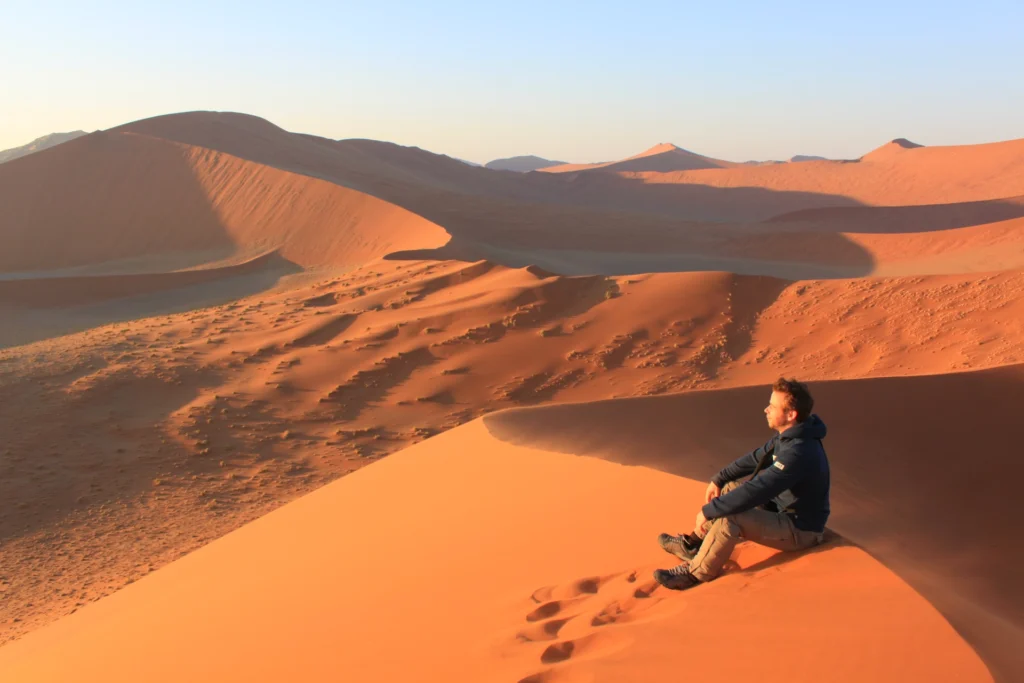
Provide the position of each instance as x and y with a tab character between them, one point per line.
57	292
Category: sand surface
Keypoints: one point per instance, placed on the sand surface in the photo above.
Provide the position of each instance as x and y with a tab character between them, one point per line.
448	583
220	318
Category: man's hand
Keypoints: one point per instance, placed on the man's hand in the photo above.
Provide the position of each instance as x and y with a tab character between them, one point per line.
713	492
700	521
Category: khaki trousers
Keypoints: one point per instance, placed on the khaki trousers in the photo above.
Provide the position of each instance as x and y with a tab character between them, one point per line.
772	529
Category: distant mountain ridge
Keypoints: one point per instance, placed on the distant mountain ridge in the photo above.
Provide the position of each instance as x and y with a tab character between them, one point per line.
522	164
39	144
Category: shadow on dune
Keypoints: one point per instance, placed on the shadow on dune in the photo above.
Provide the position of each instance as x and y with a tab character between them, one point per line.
902	219
687	201
58	308
924	476
54	292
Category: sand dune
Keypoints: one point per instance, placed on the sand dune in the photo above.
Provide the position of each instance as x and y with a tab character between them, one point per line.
661	158
619	209
538	571
160	434
892	175
207	201
123	196
903	487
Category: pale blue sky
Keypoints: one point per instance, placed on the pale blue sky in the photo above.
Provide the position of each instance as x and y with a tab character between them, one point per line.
578	81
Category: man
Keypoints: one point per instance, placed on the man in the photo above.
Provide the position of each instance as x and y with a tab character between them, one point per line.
784	505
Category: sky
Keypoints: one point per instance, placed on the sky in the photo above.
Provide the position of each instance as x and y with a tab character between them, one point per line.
571	81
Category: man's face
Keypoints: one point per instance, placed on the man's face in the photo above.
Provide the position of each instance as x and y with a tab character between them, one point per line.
779	416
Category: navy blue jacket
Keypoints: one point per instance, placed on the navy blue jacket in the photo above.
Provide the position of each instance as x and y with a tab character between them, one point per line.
795	477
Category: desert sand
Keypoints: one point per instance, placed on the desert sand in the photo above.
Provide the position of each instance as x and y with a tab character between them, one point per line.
262	385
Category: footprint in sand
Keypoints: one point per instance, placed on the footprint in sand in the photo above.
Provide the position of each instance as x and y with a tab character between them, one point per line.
546	630
619	601
552	608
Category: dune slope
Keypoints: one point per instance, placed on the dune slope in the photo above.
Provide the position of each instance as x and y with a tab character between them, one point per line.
138	441
123	196
903	487
465	558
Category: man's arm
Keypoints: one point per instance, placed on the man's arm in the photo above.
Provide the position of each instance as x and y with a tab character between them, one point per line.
783	475
743	465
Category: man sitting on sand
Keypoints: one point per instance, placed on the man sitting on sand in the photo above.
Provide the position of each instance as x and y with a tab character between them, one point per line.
784	505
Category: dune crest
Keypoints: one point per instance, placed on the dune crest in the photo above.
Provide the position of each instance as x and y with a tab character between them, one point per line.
663	157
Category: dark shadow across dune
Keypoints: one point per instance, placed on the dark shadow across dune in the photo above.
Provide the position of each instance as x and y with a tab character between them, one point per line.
901	219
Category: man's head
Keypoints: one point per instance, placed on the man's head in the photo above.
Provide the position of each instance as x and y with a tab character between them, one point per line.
790	403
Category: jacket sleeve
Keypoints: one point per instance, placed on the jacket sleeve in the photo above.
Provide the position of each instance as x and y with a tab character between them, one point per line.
744	465
781	476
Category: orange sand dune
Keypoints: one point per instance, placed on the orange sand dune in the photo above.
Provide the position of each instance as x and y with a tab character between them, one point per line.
443	189
359	164
981	248
135	442
77	291
661	158
315	222
466	558
890	176
110	196
480	205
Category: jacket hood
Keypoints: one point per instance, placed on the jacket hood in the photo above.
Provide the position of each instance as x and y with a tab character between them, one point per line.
811	428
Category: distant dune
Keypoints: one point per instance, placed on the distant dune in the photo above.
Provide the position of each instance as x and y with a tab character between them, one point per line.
892	175
39	144
522	164
661	158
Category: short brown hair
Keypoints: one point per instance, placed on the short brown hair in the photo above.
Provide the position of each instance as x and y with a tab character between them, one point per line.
798	397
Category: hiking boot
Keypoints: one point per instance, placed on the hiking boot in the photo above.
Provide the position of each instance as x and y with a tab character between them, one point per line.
677	578
683	546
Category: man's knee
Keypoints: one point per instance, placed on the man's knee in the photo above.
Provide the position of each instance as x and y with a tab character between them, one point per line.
726	526
730	486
